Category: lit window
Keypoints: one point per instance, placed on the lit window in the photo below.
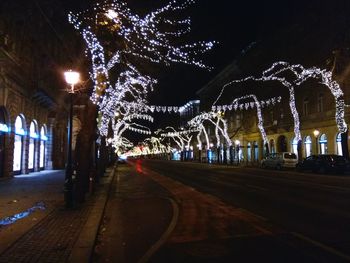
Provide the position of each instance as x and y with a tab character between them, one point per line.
339	147
18	145
43	138
31	154
323	144
295	146
307	143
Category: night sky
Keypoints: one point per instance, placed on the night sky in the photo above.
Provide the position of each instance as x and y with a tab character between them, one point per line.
234	24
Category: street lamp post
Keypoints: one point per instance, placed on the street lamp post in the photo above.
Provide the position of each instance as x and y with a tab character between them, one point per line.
71	78
316	133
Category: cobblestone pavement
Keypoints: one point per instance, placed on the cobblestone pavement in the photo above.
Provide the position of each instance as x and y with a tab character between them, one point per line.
21	193
51	240
48	235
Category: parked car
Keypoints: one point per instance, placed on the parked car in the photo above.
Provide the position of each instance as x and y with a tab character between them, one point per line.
324	163
280	160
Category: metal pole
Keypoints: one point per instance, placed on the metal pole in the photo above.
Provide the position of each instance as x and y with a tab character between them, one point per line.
68	183
316	145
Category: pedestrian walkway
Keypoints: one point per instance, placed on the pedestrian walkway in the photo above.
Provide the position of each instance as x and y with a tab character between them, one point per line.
49	234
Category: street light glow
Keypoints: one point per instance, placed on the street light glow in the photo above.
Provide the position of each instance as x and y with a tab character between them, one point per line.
72	77
316	133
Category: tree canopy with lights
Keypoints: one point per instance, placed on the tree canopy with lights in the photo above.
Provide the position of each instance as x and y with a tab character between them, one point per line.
117	38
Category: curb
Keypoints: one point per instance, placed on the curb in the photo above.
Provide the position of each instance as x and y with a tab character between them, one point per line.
83	247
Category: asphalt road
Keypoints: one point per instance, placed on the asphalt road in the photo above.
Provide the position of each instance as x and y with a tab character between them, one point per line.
311	210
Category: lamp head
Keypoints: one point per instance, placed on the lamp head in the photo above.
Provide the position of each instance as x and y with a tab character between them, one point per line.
72	77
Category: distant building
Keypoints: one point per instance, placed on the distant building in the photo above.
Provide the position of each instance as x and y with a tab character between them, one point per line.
314	101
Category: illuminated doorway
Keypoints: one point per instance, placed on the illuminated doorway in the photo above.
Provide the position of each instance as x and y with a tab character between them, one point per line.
323	144
18	145
339	147
43	139
295	146
256	151
307	143
249	152
33	136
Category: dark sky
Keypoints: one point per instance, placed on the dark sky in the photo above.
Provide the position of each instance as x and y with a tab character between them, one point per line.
233	23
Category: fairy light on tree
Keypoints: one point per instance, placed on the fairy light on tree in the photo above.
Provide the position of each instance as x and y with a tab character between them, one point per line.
125	123
156	146
280	71
258	106
131	36
181	138
220	124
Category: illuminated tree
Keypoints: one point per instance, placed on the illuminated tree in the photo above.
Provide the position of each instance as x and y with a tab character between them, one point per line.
115	36
281	72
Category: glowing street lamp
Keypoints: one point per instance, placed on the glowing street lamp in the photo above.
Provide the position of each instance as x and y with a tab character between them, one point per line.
72	78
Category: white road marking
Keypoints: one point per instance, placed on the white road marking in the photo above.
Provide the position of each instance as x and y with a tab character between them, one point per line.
323	246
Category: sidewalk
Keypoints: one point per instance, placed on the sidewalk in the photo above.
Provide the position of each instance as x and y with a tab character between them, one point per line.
126	220
48	232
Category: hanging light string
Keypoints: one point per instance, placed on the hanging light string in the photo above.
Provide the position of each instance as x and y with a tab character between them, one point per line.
247	105
216	119
127	123
181	138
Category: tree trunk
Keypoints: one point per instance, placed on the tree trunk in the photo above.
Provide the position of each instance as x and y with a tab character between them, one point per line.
344	144
300	150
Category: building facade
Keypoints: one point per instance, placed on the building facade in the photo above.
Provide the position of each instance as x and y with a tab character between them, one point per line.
315	100
33	115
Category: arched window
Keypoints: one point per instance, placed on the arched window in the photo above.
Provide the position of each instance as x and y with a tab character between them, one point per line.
18	145
323	144
249	152
295	145
307	143
339	148
43	139
33	135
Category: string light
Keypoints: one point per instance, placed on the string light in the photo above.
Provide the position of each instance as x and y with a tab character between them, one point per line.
181	138
198	122
247	105
119	126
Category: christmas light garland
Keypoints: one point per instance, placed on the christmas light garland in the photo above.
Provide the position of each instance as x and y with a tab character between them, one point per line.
119	126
